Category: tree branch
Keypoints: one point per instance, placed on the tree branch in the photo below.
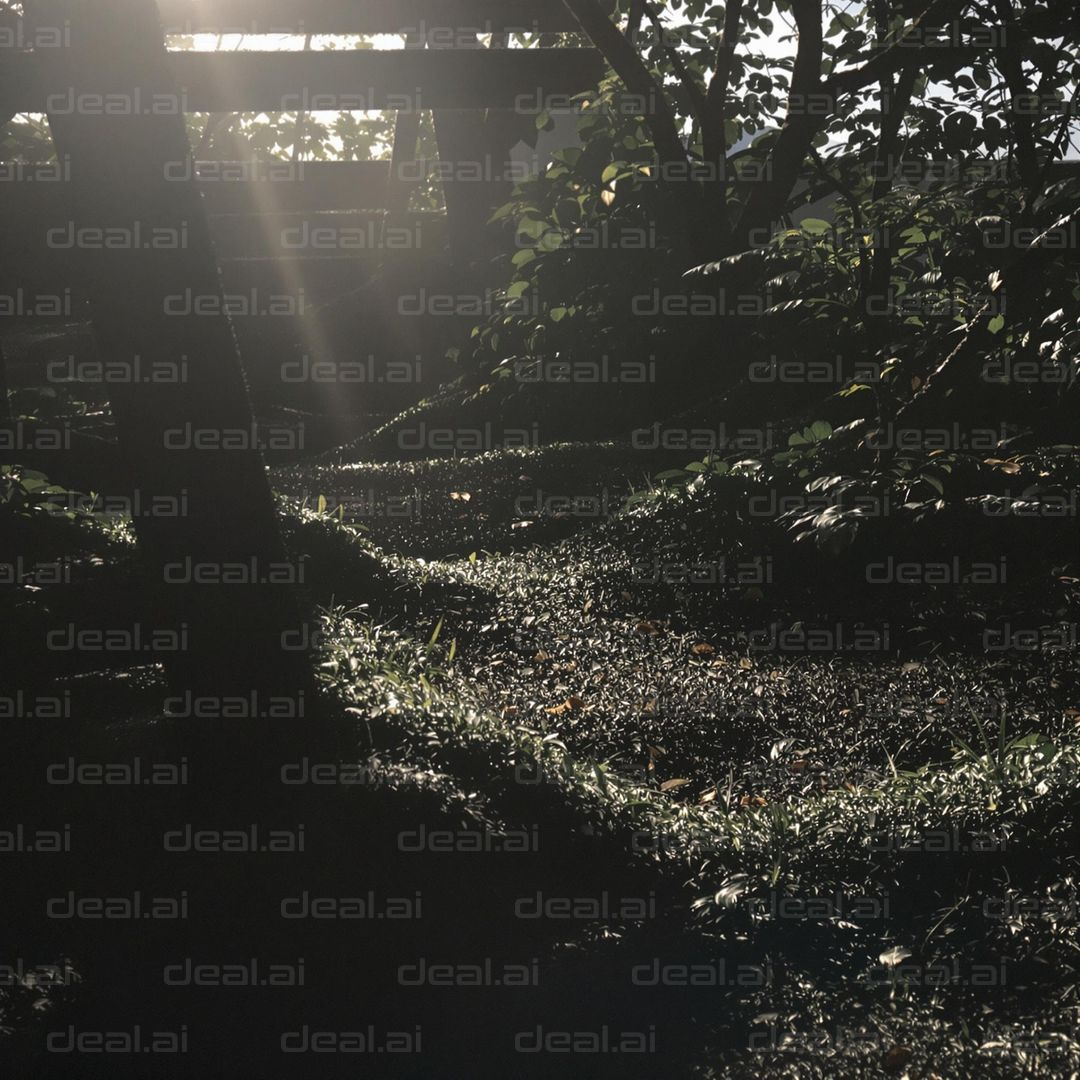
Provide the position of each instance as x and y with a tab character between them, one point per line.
1019	276
798	131
903	53
618	51
693	91
1019	121
713	136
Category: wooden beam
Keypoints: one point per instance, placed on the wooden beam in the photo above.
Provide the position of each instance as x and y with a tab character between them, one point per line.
346	80
363	16
321	234
227	187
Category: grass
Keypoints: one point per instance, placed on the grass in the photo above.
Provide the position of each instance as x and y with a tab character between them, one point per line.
857	863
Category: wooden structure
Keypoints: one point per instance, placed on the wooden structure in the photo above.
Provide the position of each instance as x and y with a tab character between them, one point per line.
128	224
276	226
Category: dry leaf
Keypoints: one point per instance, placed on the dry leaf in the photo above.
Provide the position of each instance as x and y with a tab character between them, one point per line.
571	704
892	957
703	649
746	663
671	785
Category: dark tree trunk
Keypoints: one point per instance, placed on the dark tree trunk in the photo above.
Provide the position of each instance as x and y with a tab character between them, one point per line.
190	436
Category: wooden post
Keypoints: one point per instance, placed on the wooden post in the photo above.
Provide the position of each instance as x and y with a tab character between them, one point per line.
473	183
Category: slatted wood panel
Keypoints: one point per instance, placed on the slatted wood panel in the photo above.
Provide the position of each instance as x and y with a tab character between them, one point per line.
347	80
362	16
305	233
55	289
227	187
280	226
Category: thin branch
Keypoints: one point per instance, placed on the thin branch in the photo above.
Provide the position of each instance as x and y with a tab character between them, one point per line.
713	135
848	195
904	52
1020	121
892	117
1067	117
625	62
948	373
694	92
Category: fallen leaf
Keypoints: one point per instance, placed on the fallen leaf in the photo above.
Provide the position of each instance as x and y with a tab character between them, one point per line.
703	649
571	704
671	785
892	957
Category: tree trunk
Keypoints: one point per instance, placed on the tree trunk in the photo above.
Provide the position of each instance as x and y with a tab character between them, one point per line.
183	415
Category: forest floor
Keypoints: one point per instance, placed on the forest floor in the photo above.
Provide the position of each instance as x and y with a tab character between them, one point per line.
726	826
